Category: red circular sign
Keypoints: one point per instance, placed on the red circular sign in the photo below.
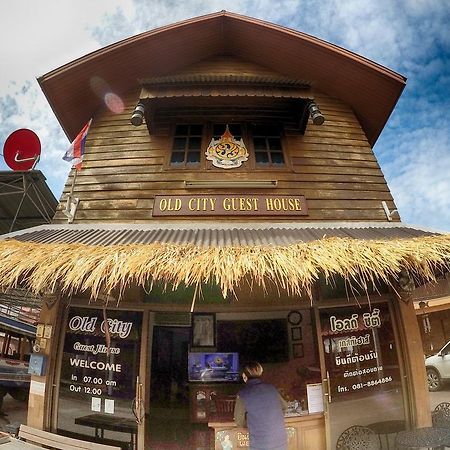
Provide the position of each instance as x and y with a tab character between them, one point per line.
22	149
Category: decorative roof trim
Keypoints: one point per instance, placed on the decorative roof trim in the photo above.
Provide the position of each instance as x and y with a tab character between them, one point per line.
228	79
294	268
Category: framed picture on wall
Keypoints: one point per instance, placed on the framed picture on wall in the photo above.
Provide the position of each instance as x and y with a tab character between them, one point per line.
203	330
296	333
297	351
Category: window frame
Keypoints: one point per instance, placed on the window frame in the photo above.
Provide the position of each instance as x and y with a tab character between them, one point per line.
185	165
283	149
248	138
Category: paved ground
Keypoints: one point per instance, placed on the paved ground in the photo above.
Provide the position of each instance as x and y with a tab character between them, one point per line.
441	396
14	444
17	412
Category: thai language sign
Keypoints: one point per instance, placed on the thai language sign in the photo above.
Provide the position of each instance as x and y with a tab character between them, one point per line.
229	205
239	438
359	348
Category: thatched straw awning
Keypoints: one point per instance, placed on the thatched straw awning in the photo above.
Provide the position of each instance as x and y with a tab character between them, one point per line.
294	268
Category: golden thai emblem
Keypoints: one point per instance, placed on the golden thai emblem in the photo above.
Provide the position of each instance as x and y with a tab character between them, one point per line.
226	152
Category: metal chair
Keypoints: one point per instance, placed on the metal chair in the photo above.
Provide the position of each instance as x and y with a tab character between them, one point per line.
426	437
358	437
441	415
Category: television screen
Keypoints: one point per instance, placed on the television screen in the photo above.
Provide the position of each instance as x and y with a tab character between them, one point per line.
213	367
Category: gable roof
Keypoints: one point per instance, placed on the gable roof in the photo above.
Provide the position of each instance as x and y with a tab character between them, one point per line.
369	88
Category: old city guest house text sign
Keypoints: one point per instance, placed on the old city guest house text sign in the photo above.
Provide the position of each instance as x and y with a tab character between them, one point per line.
230	205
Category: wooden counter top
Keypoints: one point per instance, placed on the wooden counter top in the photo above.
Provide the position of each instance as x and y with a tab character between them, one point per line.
217	423
305	432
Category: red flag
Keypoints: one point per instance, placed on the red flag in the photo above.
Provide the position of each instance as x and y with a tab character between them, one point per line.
75	152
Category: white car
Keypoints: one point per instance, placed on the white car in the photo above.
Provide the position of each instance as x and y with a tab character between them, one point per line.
438	368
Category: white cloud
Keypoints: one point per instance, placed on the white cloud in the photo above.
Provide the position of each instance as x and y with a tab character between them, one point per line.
410	36
38	37
45	34
419	177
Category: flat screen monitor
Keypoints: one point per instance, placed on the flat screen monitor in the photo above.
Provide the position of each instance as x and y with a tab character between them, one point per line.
213	367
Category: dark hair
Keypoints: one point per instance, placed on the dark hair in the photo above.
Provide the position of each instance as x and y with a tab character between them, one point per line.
253	369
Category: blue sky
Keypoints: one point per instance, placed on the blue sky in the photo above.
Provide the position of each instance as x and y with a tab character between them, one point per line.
411	37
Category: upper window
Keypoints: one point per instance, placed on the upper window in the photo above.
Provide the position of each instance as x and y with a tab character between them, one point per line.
267	144
187	145
267	149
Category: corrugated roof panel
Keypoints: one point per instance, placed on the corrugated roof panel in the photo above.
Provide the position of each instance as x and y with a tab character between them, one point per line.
203	237
214	236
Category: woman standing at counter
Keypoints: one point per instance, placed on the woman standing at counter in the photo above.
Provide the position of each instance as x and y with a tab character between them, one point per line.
260	407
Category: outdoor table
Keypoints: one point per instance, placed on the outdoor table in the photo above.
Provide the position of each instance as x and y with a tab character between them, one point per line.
102	422
429	437
386	428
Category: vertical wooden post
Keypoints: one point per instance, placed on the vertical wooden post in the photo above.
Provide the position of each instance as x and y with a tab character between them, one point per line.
419	399
143	374
41	387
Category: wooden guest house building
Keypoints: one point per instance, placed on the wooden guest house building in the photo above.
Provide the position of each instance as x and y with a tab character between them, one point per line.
229	208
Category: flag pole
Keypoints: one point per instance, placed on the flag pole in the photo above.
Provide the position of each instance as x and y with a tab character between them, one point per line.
73	183
75	155
72	202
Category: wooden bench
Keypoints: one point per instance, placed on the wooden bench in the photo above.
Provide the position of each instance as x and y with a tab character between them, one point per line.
55	441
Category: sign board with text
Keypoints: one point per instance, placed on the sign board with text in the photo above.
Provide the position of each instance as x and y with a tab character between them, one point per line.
360	350
230	205
100	363
238	438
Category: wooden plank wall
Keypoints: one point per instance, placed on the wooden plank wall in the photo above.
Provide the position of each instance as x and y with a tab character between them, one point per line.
332	165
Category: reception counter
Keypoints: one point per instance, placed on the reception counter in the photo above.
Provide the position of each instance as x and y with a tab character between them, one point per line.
305	432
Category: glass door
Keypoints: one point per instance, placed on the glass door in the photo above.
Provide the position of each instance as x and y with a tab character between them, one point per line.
99	391
361	371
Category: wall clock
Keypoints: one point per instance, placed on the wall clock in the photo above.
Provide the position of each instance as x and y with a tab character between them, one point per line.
294	317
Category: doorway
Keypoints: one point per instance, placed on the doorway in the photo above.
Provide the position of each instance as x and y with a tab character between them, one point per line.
362	370
169	383
169	424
